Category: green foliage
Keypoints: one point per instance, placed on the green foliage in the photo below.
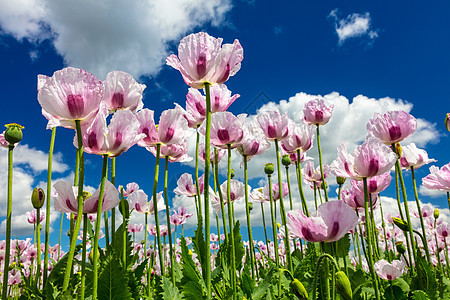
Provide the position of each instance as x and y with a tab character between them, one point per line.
111	280
425	279
200	247
420	295
192	283
264	285
170	292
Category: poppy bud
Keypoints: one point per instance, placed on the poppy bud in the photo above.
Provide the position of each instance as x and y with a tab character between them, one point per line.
124	208
12	265
324	185
250	206
340	180
286	160
38	198
403	225
447	121
400	247
13	133
343	285
232	173
436	213
269	168
299	289
398	149
91	256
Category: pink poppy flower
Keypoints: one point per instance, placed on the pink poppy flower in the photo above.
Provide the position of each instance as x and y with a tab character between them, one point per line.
392	127
133	228
70	94
443	230
226	129
334	219
375	184
175	152
355	197
120	135
236	190
317	113
187	187
121	91
274	125
303	157
414	157
139	201
439	179
65	199
213	237
299	138
221	98
203	59
254	141
311	175
370	159
3	142
426	210
131	187
389	271
202	154
275	191
196	105
192	121
32	217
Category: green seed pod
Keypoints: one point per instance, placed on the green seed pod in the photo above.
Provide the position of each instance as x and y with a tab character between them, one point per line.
38	198
324	185
269	168
436	213
124	208
398	149
447	121
13	133
232	173
286	160
340	180
250	206
343	285
403	225
400	247
299	289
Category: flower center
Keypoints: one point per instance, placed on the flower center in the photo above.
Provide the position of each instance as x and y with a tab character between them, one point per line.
117	100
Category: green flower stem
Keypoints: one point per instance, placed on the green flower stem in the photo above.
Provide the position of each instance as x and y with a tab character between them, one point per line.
217	216
105	216
425	245
375	235
74	234
125	217
274	223
149	264
145	234
405	202
230	219
383	224
448	199
369	241
207	204
339	191
155	208
326	278
316	272
447	263
47	207
315	195
83	257
113	211
218	228
300	184
321	164
198	203
59	240
219	191
437	248
97	225
38	242
264	226
287	246
247	211
358	248
291	206
397	190
166	200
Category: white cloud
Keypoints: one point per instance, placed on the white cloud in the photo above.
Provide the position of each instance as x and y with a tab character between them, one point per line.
27	162
354	25
101	36
431	193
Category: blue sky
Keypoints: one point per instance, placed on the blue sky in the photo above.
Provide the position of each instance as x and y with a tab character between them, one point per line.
389	55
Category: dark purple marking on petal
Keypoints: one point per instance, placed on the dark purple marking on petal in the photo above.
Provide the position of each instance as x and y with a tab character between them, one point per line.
372	186
346	167
117	100
75	104
373	167
395	133
318	116
92	140
188	188
307	235
138	207
223	135
225	75
217	100
334	230
169	135
70	206
232	196
118	140
201	66
200	108
271	132
254	149
389	277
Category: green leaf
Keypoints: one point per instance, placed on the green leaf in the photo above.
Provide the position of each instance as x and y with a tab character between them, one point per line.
402	284
170	292
118	246
263	285
394	292
343	246
200	247
192	283
111	281
420	295
425	279
247	283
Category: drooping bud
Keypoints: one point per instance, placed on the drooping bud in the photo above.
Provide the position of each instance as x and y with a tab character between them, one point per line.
299	289
286	160
398	149
340	180
343	285
13	133
324	185
403	225
232	173
250	206
269	168
447	121
436	213
38	198
400	247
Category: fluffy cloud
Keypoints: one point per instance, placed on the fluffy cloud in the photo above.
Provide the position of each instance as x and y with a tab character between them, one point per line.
28	164
101	36
354	25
